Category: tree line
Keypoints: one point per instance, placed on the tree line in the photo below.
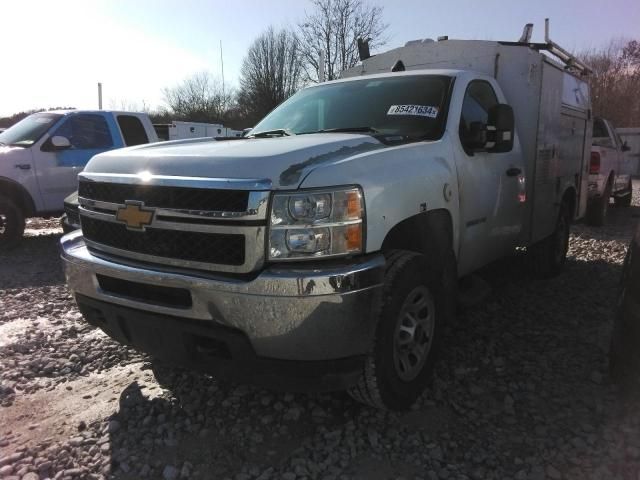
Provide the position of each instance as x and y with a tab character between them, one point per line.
615	82
281	61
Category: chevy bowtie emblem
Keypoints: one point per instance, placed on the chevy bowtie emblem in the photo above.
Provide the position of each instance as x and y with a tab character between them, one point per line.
134	215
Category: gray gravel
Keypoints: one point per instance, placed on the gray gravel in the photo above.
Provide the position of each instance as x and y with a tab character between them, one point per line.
522	391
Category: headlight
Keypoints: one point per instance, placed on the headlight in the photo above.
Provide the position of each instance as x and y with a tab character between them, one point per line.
316	224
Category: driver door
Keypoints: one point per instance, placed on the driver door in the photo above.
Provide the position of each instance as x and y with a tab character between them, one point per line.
58	169
491	185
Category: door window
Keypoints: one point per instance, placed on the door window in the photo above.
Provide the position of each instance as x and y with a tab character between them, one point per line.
86	131
132	130
478	100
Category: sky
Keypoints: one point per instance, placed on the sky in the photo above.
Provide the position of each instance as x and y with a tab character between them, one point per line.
53	53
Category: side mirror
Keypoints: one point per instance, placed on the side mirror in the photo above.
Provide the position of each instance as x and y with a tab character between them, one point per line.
625	147
475	138
500	128
60	143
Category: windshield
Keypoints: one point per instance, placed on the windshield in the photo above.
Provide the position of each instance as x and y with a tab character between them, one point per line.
28	130
411	106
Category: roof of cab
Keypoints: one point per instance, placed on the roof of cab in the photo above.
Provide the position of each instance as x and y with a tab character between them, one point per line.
117	112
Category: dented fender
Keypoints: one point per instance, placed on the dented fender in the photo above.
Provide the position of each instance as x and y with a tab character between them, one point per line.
398	182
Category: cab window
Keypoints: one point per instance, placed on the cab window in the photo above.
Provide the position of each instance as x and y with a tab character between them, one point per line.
478	100
86	131
132	130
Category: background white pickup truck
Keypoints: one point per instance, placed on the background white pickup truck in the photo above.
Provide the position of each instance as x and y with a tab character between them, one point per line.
41	156
609	172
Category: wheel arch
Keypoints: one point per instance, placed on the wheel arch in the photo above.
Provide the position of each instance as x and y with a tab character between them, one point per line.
428	233
19	195
611	178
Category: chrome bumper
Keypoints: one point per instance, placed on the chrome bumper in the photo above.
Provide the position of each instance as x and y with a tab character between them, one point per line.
322	311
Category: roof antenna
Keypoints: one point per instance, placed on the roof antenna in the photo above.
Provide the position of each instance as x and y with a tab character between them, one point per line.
398	67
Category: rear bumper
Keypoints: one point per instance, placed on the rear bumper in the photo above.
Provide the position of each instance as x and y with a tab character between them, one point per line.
322	313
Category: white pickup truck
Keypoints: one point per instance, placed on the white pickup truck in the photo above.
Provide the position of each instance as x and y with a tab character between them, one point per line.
41	156
609	172
323	250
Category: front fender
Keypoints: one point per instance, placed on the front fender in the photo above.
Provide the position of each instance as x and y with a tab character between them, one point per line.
398	183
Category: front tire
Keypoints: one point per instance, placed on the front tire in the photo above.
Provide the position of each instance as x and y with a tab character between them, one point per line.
11	223
408	335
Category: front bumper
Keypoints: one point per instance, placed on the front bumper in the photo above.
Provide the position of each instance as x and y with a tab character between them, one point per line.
322	313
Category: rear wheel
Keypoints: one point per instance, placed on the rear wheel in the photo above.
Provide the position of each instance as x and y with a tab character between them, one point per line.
415	302
598	208
11	223
625	200
549	255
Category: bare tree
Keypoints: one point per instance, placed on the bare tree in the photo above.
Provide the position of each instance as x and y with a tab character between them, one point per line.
334	28
199	98
615	82
129	105
271	72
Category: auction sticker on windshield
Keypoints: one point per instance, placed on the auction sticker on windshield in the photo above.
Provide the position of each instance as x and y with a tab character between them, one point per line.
417	110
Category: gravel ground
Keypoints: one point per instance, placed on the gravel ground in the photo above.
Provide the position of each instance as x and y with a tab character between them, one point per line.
521	391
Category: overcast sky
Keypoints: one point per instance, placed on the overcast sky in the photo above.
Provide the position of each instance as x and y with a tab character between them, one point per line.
53	53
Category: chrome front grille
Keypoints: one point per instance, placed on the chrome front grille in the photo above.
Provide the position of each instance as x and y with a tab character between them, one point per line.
182	198
207	224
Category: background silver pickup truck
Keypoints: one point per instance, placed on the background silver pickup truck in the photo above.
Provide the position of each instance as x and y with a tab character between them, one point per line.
323	250
609	172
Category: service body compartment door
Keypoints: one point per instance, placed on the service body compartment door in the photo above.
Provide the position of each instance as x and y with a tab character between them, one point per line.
561	150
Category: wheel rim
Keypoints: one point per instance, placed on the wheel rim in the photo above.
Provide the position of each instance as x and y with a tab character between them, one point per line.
414	333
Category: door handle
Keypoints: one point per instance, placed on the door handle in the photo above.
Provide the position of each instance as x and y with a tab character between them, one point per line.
23	166
513	172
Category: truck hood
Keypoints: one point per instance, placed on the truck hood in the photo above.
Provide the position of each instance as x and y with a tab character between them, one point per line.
7	150
285	161
10	157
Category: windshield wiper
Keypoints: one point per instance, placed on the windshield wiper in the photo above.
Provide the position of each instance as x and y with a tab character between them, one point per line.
348	130
284	132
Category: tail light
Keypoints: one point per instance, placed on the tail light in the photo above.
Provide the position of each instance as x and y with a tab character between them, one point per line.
594	165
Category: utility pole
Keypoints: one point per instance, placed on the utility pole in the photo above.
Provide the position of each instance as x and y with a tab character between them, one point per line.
222	63
99	95
321	67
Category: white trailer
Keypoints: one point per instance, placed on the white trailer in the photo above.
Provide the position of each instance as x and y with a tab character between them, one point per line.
182	130
178	130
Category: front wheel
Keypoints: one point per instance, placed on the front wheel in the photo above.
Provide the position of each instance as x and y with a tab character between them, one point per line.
408	334
11	223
